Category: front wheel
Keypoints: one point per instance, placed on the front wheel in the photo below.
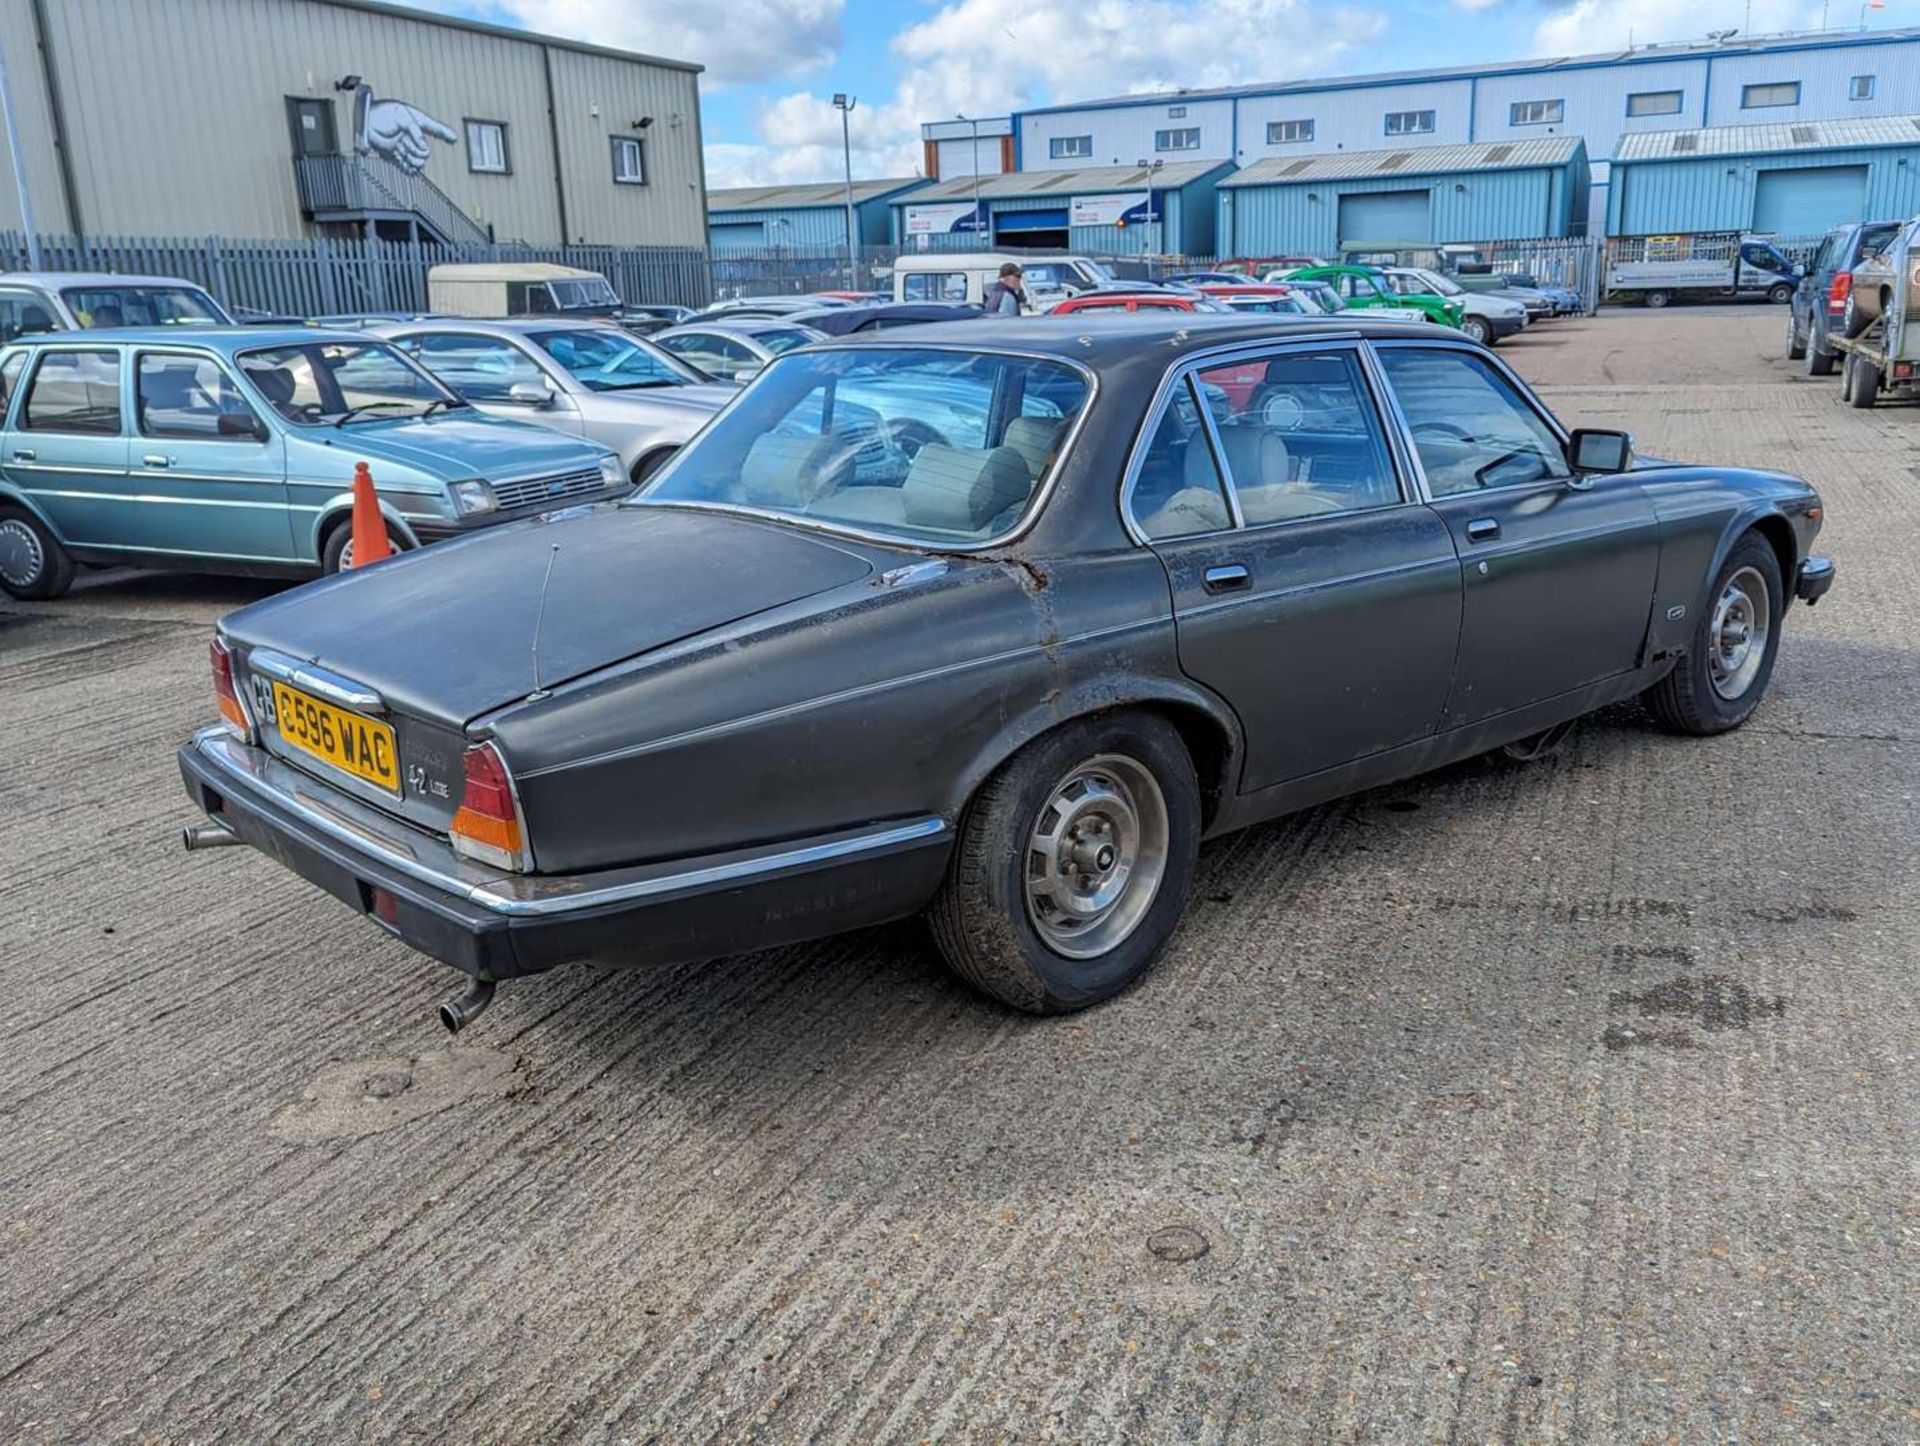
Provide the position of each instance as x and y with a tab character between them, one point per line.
1478	330
1796	343
1727	666
1860	381
1073	865
33	564
337	554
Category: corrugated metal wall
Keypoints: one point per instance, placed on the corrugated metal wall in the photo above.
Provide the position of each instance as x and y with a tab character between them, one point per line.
176	113
1469	206
805	228
1124	134
1662	198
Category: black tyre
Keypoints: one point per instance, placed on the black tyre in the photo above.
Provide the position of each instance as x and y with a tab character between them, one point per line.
1853	320
1796	341
1819	360
1780	293
651	463
1729	661
33	564
1861	384
1073	865
1477	328
337	552
1658	299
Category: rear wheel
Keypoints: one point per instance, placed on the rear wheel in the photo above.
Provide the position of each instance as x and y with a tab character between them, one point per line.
1073	865
1819	360
1860	381
33	564
1796	343
1724	674
1658	298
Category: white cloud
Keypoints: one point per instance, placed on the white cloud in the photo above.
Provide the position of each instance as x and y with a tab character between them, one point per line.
1589	25
986	57
1474	7
739	41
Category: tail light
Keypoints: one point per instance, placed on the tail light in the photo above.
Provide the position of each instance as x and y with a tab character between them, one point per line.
1837	294
232	710
486	826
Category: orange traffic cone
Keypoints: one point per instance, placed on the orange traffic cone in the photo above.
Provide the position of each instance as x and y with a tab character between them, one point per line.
369	527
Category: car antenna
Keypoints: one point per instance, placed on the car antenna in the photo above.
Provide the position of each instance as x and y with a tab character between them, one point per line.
539	618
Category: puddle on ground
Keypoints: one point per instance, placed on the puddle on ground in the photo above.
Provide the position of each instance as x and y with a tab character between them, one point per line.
369	1096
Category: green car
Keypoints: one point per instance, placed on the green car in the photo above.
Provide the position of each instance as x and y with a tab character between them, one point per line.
1367	288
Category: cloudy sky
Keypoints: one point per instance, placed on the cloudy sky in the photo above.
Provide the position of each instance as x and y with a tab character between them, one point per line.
772	64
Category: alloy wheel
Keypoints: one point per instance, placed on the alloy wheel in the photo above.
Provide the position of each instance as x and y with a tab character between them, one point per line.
21	557
1095	856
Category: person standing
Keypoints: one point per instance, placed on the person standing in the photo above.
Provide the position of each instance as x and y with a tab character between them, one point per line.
1006	297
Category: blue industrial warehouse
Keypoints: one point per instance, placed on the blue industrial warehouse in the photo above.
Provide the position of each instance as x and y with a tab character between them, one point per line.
758	218
1783	180
1349	200
1107	210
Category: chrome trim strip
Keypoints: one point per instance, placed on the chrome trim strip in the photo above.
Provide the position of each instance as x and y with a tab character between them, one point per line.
1036	504
284	560
20	465
176	501
1299	589
321	682
1210	430
562	896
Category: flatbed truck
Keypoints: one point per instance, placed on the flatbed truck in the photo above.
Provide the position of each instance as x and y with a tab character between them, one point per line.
1884	360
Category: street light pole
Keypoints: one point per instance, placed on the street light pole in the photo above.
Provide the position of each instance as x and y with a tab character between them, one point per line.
845	103
972	121
19	171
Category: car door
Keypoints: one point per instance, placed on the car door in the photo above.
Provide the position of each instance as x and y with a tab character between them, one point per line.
1311	589
486	369
24	313
68	449
210	468
1559	568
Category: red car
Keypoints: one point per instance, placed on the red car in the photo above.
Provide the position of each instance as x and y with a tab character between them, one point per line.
1124	301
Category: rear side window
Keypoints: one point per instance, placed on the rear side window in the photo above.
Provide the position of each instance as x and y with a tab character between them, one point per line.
935	286
1178	491
74	391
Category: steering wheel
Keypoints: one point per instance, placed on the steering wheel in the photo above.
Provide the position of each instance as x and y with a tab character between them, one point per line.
1480	474
910	436
1450	430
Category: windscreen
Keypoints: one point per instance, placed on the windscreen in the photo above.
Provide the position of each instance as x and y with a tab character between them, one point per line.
99	306
607	360
316	383
930	445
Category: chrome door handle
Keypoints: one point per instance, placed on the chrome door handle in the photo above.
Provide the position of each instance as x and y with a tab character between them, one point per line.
24	454
1483	529
154	459
1228	577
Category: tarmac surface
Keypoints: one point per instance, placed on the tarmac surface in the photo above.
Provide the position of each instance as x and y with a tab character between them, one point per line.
1569	1102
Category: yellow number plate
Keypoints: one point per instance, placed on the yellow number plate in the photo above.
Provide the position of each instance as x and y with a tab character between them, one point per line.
361	746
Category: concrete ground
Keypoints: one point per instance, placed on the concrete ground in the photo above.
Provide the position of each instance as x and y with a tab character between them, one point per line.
1574	1102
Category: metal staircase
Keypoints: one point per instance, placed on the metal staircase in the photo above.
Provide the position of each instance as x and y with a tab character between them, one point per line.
355	187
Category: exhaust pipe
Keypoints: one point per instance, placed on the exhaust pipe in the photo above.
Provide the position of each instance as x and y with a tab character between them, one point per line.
457	1013
209	836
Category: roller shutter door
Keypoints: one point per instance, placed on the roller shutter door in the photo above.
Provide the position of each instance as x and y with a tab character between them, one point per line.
737	235
1385	218
1808	200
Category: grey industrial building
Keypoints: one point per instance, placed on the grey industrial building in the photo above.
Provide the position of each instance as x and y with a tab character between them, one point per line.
807	217
291	118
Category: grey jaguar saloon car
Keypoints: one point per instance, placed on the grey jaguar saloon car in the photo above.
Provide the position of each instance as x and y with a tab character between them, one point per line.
1001	643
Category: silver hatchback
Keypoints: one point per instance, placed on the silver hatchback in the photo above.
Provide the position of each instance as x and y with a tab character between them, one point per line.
588	378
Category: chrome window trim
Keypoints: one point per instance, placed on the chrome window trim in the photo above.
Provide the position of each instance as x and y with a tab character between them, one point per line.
1210	429
1486	358
1409	483
1036	504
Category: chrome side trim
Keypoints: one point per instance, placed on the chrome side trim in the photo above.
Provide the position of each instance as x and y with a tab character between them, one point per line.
321	682
535	895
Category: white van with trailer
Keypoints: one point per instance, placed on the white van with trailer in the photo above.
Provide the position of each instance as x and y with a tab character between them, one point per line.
962	276
1713	265
1885	358
518	288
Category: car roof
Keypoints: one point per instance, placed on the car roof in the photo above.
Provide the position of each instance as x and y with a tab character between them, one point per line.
739	326
58	280
495	325
1098	340
226	339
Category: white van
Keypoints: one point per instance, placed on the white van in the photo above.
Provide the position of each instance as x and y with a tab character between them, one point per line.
518	288
966	275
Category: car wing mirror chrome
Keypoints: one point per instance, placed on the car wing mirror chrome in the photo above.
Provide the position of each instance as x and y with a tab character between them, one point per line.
1595	449
531	394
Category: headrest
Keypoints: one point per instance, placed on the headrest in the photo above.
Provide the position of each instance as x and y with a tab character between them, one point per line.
783	469
1034	438
960	489
1255	456
275	383
1309	370
1197	470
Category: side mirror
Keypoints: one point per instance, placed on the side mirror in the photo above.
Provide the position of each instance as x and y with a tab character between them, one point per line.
1592	449
242	424
530	394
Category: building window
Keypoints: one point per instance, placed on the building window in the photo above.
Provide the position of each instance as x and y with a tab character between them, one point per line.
1860	88
1069	148
1766	97
1176	112
1409	122
487	147
629	162
1654	102
1536	112
1280	133
1184	138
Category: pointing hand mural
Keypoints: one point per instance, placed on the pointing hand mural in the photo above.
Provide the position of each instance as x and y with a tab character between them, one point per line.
396	129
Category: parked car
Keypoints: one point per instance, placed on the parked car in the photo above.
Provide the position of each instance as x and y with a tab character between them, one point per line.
1487	318
733	351
883	316
1124	299
965	275
32	302
760	308
1268	268
1279	299
1366	288
587	378
1014	682
1323	295
1213	278
232	449
1822	304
